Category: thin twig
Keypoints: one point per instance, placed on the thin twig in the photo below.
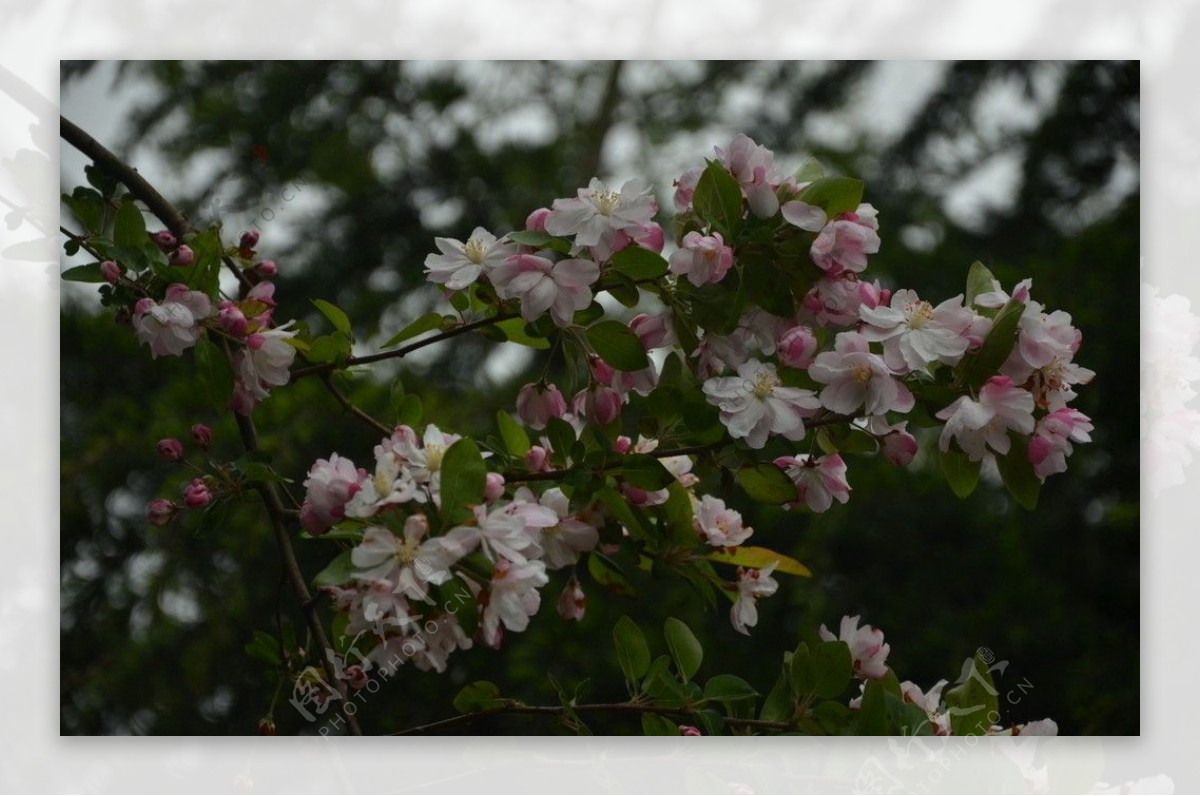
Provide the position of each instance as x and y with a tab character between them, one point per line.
349	405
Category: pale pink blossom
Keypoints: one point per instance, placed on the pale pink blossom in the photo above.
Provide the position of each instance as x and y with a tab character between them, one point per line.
411	563
537	403
685	187
391	484
460	264
818	481
202	435
537	459
110	271
753	166
979	425
796	347
600	404
855	378
703	259
836	300
997	298
720	526
1039	727
1052	438
172	327
442	636
752	584
1044	338
718	353
563	541
182	257
755	404
493	487
536	221
844	243
655	331
511	598
898	445
561	287
930	702
867	650
331	484
916	334
809	218
596	210
264	362
513	531
759	330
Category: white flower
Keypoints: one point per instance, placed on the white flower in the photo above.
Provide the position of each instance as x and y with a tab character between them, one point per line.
857	378
703	259
421	457
980	424
915	333
563	541
721	526
392	483
867	650
844	243
597	210
513	531
512	598
818	481
930	702
410	563
331	484
172	327
261	365
753	166
1051	442
752	584
460	264
754	404
561	287
441	635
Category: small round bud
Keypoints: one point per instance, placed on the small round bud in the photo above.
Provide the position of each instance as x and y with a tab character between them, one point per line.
165	240
537	459
196	495
572	603
160	512
356	677
169	449
537	403
182	257
110	271
267	268
202	435
265	727
687	729
248	241
536	222
493	487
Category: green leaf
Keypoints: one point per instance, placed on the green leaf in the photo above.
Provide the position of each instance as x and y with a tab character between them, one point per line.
638	263
516	440
88	206
514	330
961	473
624	290
100	179
264	647
684	647
340	570
607	575
802	674
718	199
335	316
617	345
215	375
1017	472
129	228
834	195
205	273
464	476
759	557
426	323
979	280
780	704
810	170
845	439
646	472
329	348
409	410
984	363
479	695
731	691
622	511
872	716
84	273
767	483
832	668
561	436
541	240
632	653
972	699
654	724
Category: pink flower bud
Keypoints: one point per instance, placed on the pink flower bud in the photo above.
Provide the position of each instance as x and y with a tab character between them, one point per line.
493	487
267	268
110	271
601	405
687	729
249	241
169	449
196	495
602	372
356	677
255	341
650	236
160	512
165	240
537	403
143	306
572	602
232	319
536	459
622	444
655	331
797	347
202	435
265	727
536	222
183	256
900	447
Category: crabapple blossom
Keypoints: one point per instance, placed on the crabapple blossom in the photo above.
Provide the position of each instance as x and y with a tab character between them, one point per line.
264	362
809	218
165	240
796	347
685	186
1052	438
867	650
752	584
537	459
248	241
915	334
759	330
460	264
655	331
511	598
561	287
899	447
391	484
331	484
413	562
930	702
997	298
197	494
837	300
818	481
703	259
172	327
597	210
754	404
688	729
493	487
267	268
572	603
512	532
442	636
721	526
537	403
844	243
978	425
717	353
536	221
563	541
169	450
110	271
182	256
232	319
854	378
1039	727
600	404
160	512
752	165
202	435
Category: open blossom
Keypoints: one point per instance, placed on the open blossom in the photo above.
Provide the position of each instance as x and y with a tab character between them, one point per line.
330	484
264	363
561	287
898	445
172	327
752	584
818	481
512	532
1042	358
978	425
867	650
754	404
685	186
1052	438
930	702
460	264
391	484
413	562
511	598
721	526
753	166
718	353
703	259
809	218
537	403
836	300
597	210
844	243
857	378
655	331
997	298
563	541
915	333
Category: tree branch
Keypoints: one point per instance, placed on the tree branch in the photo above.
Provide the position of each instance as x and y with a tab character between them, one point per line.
349	406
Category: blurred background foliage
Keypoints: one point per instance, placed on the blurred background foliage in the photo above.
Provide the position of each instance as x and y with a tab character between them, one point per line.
350	170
